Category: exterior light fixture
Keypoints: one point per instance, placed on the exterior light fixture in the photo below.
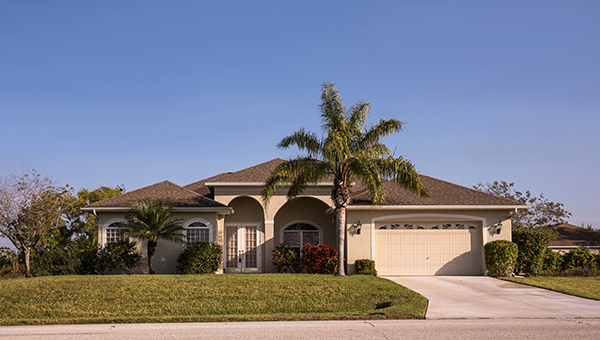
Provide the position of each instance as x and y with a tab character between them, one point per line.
499	227
358	227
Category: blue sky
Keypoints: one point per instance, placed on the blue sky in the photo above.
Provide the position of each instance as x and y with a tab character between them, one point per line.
136	92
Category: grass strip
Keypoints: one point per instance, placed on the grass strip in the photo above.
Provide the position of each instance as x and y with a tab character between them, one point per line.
199	298
585	287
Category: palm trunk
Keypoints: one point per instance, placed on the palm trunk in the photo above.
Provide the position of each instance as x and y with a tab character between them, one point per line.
151	251
340	220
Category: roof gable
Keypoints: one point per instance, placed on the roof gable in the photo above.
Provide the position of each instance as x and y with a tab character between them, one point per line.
170	193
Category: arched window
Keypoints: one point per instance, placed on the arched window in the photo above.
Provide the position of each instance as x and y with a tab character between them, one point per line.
115	232
196	232
299	234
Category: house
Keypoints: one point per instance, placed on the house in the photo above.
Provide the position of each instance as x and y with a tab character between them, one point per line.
571	237
440	235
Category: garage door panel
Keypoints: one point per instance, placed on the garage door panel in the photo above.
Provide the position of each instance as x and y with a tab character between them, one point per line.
429	251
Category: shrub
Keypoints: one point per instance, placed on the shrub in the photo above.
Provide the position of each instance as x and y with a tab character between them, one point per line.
501	257
321	259
118	255
7	257
286	260
578	259
57	261
200	258
552	262
365	267
532	244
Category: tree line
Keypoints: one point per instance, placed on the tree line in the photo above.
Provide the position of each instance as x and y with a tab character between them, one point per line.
45	222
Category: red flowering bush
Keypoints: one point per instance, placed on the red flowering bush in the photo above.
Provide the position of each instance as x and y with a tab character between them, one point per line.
321	259
285	259
118	255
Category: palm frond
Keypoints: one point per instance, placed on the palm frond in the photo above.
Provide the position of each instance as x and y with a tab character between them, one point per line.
403	173
303	140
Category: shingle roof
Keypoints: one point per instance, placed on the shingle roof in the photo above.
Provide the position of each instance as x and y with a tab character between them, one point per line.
441	192
255	174
170	193
573	236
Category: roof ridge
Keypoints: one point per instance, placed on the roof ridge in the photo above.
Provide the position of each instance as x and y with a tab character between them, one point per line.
474	190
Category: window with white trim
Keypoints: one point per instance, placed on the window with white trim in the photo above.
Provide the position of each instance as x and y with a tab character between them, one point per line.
196	232
115	233
299	234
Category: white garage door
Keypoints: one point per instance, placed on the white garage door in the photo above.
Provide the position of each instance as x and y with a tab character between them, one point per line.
429	248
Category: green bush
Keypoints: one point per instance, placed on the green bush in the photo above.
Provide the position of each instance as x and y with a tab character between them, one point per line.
365	267
7	257
552	262
57	261
285	260
532	244
321	259
501	257
200	258
118	255
577	259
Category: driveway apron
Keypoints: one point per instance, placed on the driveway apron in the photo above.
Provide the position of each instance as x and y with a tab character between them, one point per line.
452	297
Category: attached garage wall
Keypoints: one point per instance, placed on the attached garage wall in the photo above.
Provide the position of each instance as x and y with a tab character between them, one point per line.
429	248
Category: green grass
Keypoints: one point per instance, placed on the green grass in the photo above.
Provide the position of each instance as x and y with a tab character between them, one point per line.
586	287
198	298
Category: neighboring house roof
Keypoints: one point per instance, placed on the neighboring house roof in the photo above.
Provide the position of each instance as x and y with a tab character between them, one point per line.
441	192
574	236
170	193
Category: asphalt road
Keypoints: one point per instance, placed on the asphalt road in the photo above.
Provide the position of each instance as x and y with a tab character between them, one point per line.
572	328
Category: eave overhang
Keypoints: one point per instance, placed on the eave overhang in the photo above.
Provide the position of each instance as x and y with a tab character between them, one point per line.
219	210
437	207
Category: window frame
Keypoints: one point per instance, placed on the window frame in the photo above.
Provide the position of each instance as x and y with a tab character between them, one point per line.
310	223
207	225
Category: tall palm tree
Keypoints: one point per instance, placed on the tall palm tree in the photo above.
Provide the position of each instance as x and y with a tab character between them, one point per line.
347	151
152	221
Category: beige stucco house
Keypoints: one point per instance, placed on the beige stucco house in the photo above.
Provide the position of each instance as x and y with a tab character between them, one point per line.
440	235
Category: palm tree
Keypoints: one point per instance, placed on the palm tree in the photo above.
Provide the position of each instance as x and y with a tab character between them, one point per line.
152	221
347	151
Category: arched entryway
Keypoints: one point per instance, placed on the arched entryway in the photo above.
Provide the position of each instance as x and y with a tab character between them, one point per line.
304	220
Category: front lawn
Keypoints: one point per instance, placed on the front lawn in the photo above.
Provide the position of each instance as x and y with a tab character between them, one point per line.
586	287
197	298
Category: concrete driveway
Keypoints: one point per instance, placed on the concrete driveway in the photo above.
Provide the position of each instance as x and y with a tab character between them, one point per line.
453	297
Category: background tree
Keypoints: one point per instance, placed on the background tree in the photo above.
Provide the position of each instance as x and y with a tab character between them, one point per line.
73	247
30	210
152	221
348	151
542	214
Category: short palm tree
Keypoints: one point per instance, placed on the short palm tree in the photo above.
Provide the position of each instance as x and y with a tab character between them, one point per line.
152	221
347	151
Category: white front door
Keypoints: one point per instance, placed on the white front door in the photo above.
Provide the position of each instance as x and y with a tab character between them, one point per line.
242	248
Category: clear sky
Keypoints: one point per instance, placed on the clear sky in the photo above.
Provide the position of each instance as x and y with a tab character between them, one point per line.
136	92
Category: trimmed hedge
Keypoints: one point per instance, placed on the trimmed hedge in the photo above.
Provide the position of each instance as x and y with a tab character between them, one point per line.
501	257
365	267
200	258
532	244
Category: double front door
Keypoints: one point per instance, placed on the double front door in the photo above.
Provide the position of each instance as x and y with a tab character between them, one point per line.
242	248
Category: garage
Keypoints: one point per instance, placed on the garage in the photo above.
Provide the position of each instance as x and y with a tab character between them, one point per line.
435	248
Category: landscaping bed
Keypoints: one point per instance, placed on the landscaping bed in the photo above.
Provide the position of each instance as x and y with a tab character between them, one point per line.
198	298
586	287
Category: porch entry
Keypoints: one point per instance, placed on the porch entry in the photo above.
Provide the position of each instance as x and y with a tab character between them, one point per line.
242	248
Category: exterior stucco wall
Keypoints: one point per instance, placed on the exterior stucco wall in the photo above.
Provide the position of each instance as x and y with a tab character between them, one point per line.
165	259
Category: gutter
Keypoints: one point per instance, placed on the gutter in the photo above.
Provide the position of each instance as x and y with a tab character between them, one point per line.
437	207
223	210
